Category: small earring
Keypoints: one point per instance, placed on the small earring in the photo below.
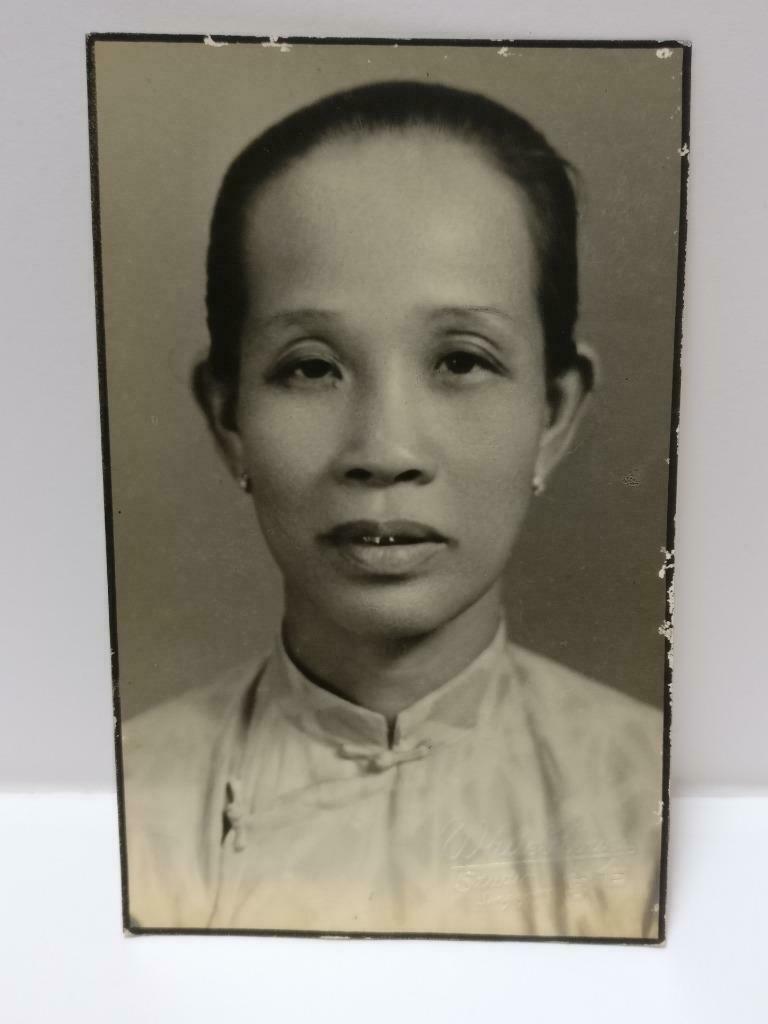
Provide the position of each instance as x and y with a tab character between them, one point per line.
245	483
537	485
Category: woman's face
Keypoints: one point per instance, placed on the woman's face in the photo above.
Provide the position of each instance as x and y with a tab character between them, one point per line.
392	405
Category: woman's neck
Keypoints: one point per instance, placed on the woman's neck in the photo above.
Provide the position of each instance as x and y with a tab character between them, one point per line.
384	674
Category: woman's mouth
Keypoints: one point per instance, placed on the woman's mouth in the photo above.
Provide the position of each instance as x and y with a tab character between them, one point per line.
392	548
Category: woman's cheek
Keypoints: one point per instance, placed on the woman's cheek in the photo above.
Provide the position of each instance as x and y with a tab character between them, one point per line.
498	439
285	444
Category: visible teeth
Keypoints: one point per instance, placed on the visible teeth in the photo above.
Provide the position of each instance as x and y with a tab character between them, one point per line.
379	540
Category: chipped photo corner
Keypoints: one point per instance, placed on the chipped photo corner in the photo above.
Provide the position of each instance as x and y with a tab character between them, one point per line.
389	339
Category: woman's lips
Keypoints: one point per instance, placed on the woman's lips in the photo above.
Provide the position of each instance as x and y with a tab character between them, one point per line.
391	548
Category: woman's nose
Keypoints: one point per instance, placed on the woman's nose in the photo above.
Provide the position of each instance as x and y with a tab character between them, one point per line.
385	446
385	471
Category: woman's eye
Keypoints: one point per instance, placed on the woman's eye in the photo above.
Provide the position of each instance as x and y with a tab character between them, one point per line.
465	364
309	372
314	369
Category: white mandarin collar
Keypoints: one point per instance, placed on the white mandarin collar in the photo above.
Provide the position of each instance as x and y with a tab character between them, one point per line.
446	714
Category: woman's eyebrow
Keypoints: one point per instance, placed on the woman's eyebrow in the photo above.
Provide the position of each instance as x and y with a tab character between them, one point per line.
471	312
312	316
293	317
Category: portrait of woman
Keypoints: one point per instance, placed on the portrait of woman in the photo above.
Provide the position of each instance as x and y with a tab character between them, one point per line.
392	382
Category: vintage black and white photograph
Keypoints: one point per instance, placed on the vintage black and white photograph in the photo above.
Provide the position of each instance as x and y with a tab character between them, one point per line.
389	340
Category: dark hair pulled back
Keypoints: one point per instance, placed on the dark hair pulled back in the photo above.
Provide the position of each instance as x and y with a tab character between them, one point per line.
517	149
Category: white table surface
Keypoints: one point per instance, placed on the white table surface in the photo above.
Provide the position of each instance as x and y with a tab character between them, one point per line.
63	955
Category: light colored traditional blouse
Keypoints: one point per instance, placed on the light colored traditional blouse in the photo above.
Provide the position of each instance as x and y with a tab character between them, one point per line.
519	798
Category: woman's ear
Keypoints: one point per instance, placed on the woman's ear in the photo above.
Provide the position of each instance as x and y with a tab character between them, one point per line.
217	402
567	395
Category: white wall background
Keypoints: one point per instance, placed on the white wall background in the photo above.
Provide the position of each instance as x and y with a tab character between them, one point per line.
55	726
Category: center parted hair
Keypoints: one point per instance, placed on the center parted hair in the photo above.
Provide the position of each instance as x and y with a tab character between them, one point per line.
516	148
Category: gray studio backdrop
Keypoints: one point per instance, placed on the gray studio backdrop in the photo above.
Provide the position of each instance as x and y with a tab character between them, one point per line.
195	588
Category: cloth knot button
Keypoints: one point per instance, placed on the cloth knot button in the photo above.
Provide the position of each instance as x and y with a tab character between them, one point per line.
381	760
235	814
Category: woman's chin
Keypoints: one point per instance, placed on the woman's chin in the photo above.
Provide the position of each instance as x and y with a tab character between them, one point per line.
396	611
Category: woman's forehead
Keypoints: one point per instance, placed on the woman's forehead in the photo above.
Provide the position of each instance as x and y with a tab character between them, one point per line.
395	169
395	210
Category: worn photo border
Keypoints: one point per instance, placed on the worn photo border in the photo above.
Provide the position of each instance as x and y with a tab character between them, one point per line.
668	569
